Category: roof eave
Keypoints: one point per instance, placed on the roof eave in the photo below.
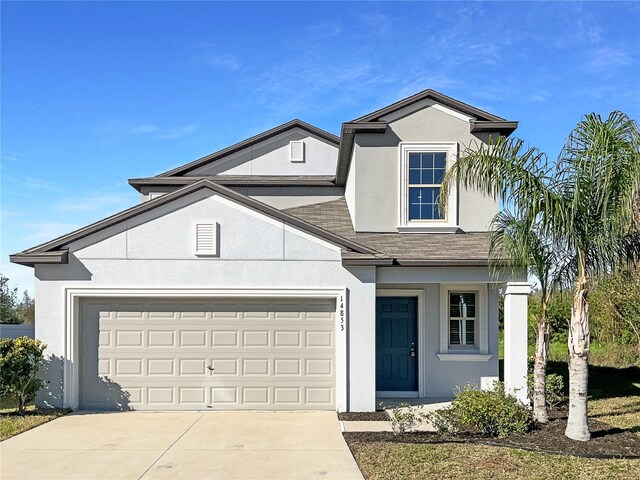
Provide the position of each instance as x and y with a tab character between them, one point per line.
503	128
347	139
238	181
55	257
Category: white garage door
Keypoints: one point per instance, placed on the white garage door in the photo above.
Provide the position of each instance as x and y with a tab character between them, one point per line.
221	354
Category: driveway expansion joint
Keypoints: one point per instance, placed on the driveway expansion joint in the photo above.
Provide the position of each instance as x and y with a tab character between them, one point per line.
169	447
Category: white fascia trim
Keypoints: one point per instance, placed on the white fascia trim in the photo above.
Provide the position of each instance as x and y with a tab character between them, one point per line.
422	330
427	102
463	357
483	315
452	112
451	222
518	288
72	317
426	229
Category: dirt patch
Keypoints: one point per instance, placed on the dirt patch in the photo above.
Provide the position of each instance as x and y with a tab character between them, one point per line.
363	416
606	441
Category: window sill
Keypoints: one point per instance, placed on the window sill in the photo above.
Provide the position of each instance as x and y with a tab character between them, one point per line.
427	229
464	357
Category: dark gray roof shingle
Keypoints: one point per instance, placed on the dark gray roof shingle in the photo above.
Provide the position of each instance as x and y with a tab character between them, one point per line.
405	248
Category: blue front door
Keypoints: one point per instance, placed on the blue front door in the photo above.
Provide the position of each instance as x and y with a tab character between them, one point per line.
396	344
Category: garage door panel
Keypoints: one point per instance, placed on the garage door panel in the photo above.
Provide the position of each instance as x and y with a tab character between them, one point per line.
185	355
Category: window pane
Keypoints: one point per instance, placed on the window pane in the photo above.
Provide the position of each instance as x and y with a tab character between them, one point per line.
427	177
454	305
471	311
414	175
414	160
440	160
426	212
438	175
454	332
415	195
427	160
436	212
470	336
469	298
414	212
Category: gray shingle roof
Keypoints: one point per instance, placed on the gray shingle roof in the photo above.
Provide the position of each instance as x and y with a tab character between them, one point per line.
403	248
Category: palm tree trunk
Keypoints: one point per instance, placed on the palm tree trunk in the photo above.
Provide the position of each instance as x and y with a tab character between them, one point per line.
540	413
577	426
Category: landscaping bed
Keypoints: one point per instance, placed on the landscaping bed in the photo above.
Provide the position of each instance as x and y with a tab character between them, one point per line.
606	442
364	416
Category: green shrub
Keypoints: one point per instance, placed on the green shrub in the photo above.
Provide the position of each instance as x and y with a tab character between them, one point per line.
487	412
554	390
405	418
20	360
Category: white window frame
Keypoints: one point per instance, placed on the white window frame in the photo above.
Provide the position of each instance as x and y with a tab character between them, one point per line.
454	353
450	222
462	321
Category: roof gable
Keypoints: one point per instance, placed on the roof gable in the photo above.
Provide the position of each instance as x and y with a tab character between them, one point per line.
376	122
55	251
438	97
249	142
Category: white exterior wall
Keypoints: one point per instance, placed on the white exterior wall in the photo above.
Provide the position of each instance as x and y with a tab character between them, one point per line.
155	251
442	369
271	157
377	169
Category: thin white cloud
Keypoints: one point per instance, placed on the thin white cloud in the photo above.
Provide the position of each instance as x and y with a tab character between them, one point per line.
176	132
225	61
604	58
33	183
144	129
9	157
325	30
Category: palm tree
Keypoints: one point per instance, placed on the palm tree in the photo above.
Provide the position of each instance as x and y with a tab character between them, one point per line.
584	201
531	250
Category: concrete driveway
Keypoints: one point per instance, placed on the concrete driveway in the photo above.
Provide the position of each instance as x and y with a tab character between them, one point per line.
189	446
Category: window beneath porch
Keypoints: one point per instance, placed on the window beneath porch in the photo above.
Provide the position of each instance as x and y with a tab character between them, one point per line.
462	320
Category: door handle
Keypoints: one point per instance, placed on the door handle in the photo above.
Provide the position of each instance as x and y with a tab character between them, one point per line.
412	352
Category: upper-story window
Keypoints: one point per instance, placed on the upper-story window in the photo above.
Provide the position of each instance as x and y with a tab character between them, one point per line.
426	170
423	166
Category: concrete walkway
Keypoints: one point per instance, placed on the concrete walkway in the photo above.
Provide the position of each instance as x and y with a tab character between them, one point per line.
181	446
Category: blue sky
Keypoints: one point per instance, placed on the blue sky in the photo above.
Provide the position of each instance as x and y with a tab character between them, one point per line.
96	93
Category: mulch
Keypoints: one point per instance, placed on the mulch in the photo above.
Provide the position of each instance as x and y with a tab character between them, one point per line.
363	416
606	441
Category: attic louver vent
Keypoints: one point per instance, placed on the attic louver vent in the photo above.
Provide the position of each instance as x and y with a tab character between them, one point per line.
206	239
297	151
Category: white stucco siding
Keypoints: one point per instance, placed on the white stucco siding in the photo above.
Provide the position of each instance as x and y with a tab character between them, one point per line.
168	232
272	157
439	373
377	176
155	251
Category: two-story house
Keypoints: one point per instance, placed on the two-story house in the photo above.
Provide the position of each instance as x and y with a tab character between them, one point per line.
293	270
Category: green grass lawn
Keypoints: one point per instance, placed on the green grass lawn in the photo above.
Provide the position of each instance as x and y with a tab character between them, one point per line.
12	424
396	461
614	399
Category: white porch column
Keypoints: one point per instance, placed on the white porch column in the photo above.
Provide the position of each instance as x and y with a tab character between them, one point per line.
515	339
